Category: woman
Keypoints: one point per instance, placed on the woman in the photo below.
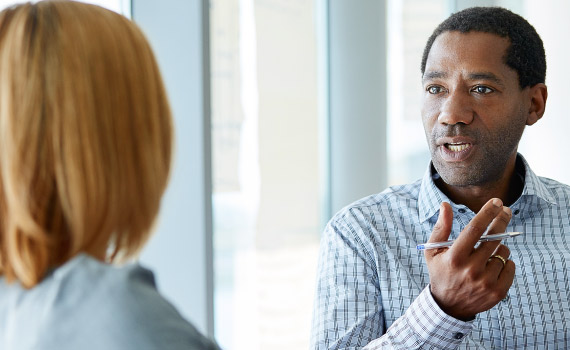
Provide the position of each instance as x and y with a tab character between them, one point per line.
85	151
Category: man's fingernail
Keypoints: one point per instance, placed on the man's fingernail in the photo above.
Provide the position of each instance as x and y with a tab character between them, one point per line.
497	202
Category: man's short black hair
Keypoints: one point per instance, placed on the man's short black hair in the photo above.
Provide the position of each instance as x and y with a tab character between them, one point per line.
526	52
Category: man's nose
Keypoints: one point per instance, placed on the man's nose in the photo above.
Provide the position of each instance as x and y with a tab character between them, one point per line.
456	109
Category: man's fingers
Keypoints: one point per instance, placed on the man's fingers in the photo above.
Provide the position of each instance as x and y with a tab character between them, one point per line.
475	229
500	277
442	227
441	230
498	225
507	272
500	222
507	275
503	251
459	275
498	260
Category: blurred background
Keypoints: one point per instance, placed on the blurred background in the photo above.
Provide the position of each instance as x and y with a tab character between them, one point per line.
286	111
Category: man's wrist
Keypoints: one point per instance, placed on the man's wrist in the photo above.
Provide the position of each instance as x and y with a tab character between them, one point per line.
463	318
428	321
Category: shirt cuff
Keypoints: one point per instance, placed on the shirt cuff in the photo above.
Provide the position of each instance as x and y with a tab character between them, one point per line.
432	325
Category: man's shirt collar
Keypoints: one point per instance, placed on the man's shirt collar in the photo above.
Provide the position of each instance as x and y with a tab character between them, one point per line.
430	196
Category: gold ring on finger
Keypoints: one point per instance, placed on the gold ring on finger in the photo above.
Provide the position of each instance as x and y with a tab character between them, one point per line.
503	260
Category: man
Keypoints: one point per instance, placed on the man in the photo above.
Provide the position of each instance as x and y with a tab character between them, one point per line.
483	74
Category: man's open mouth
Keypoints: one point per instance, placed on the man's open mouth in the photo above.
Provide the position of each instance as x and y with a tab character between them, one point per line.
457	147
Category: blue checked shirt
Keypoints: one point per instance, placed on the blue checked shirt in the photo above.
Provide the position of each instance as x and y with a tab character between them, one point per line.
372	288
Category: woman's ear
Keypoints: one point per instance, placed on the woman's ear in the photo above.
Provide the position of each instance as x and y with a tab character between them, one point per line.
538	95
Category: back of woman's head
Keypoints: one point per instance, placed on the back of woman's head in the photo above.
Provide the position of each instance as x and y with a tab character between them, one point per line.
85	137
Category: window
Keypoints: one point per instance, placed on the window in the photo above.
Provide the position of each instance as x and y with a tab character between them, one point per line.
410	23
265	156
545	143
121	6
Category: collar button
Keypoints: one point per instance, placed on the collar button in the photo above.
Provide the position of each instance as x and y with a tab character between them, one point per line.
458	335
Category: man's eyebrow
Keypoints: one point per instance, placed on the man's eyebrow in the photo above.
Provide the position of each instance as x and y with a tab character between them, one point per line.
472	76
433	75
486	76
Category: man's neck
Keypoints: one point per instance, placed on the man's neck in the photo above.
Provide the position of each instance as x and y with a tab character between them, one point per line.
508	188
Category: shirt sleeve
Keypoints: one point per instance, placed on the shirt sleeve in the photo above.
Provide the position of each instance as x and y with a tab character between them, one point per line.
348	312
423	326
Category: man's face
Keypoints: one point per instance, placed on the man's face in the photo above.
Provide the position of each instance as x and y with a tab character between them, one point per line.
474	111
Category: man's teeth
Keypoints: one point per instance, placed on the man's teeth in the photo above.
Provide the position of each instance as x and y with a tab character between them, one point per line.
458	147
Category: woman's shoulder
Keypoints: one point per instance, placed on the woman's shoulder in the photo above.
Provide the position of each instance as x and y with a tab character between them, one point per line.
125	301
96	306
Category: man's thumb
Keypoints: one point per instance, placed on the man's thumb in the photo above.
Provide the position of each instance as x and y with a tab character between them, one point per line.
442	228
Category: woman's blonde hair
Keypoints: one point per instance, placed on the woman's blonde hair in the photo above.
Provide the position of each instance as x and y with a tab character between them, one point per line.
85	137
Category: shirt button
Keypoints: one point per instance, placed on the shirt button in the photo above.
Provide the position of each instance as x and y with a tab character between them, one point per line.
458	335
516	212
462	211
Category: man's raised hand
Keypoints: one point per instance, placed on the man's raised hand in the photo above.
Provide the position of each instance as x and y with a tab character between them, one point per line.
464	280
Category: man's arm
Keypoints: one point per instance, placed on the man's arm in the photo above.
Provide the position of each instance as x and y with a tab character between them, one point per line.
423	326
347	308
348	313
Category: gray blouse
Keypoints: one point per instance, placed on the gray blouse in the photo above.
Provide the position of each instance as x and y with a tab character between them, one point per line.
86	304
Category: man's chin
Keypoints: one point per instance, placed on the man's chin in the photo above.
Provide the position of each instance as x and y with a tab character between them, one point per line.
460	176
461	182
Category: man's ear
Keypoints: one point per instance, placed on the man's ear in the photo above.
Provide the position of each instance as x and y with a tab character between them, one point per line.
538	94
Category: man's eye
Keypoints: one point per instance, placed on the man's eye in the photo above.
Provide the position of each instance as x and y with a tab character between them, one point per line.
482	90
434	89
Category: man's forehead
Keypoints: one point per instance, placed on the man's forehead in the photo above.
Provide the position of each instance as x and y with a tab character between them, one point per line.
477	53
469	43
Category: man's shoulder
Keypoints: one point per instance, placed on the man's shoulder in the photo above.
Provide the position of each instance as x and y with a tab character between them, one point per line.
559	190
554	184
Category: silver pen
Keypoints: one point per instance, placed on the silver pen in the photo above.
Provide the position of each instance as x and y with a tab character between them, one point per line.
485	238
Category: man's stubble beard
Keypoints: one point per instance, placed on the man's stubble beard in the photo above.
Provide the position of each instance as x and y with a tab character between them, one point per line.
493	155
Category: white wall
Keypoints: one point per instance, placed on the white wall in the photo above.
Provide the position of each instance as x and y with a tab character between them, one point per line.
545	144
